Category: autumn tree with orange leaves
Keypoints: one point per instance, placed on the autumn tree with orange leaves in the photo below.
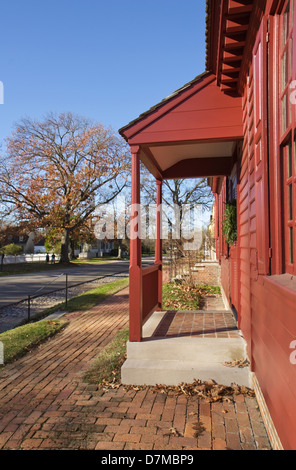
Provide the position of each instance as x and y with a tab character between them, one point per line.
57	171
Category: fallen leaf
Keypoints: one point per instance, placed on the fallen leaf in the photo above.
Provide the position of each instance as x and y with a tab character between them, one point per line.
173	432
208	390
237	363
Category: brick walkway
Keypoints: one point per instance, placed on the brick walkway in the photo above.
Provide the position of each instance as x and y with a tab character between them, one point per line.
197	324
44	403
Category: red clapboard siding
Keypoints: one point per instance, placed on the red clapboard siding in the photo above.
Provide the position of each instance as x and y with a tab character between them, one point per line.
260	143
272	333
243	218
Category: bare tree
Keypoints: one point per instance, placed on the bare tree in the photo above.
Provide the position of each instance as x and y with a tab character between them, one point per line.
179	193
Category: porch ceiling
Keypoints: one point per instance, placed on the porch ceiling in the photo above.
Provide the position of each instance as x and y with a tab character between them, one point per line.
169	155
188	160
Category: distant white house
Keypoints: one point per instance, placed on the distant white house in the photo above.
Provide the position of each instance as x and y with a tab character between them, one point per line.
97	250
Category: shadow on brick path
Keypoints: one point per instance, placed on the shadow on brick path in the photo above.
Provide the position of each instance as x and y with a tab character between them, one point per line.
45	405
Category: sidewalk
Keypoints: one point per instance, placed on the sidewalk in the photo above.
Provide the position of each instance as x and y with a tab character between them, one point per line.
45	405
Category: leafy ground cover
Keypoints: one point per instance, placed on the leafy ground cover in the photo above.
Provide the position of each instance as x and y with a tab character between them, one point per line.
184	296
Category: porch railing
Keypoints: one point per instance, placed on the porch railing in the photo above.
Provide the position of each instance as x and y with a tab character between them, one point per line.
150	290
145	297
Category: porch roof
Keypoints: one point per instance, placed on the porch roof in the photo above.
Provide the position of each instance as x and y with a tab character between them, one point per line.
191	133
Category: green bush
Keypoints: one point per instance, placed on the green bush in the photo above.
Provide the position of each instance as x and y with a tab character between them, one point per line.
11	249
229	223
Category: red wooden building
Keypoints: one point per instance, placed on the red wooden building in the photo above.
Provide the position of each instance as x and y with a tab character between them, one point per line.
235	124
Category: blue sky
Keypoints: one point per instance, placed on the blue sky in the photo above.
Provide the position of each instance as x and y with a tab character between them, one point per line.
108	60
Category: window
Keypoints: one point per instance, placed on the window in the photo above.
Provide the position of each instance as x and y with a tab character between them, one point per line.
289	205
232	185
286	65
288	133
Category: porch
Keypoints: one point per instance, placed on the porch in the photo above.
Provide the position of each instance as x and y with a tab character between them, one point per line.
185	136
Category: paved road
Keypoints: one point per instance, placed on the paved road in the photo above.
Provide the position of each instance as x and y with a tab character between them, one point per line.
18	287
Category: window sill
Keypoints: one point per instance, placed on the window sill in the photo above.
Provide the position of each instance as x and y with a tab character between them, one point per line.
286	282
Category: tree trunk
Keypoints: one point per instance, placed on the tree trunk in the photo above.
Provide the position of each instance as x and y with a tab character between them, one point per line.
65	247
119	255
72	248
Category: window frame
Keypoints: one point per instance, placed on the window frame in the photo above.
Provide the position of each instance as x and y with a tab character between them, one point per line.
287	133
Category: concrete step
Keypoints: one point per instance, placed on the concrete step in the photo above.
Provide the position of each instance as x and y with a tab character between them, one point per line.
170	361
173	372
201	350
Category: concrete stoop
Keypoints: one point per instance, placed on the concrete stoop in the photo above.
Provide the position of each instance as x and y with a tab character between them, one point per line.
173	360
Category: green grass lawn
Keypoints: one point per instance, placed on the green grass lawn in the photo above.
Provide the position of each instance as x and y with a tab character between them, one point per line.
98	260
89	298
32	267
24	268
20	340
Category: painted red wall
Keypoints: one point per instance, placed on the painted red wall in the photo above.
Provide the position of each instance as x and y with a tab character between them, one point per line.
273	328
267	296
266	312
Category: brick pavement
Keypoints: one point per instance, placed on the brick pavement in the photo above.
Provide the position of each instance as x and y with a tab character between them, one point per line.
46	405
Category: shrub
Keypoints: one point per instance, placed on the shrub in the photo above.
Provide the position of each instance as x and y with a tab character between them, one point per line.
229	223
11	249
